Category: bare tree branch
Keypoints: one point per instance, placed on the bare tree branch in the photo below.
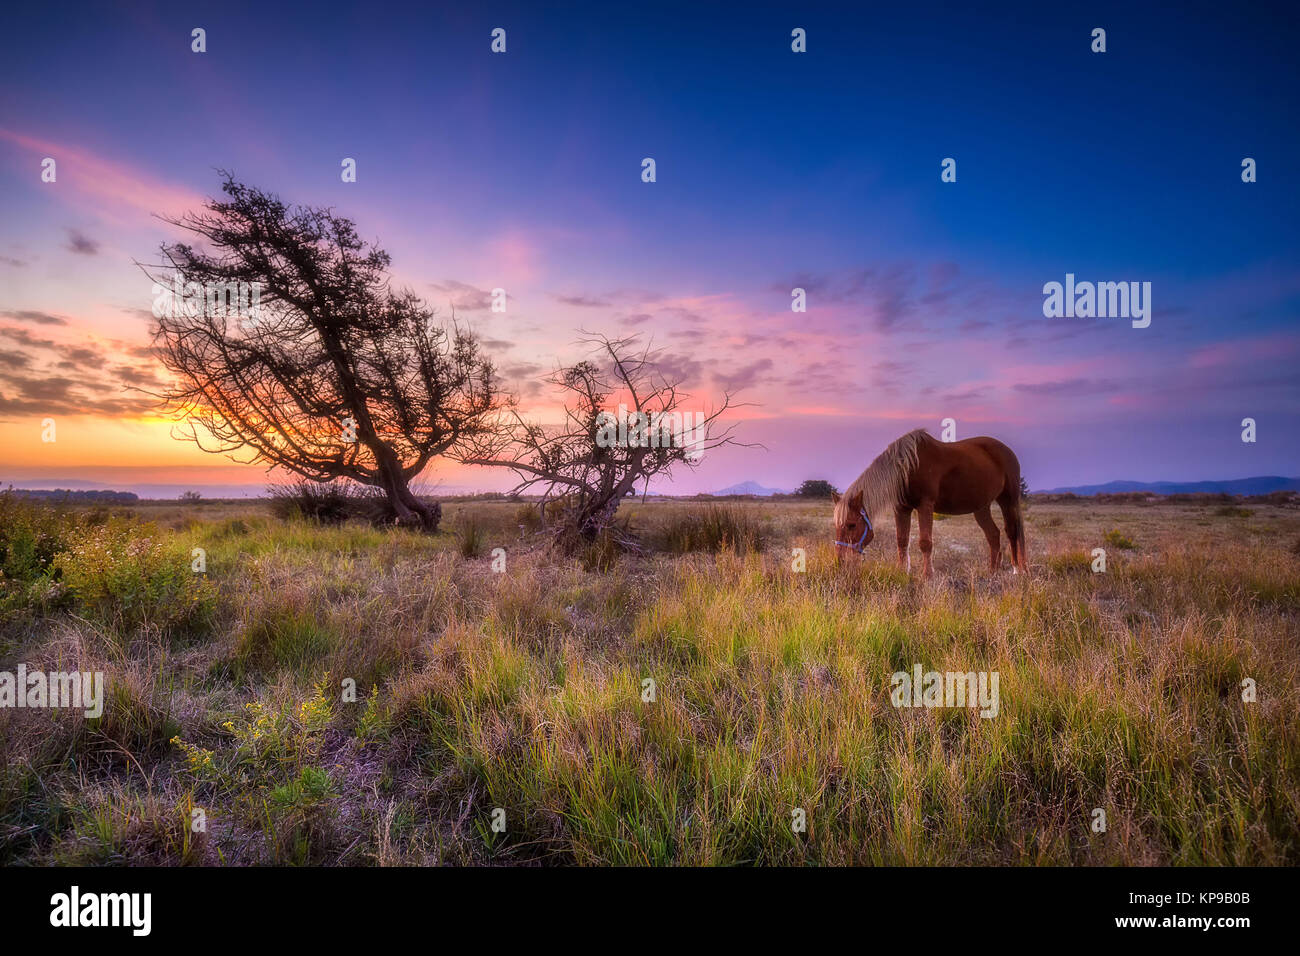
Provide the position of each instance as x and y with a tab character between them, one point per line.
588	460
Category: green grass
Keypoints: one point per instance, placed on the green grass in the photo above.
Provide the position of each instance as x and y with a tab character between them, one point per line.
672	708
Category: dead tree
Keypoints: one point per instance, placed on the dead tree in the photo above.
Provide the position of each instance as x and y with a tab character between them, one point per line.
624	424
331	375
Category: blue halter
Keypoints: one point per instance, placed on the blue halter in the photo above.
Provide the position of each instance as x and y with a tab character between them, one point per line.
866	531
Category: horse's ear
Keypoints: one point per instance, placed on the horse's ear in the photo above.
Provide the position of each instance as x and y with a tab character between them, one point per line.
835	497
855	503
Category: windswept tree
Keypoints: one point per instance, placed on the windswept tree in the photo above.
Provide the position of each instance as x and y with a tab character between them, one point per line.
326	372
625	422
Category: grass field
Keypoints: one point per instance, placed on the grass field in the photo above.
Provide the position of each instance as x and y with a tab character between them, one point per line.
523	691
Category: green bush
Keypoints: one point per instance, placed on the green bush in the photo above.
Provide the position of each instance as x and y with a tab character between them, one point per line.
30	536
1116	539
125	577
106	567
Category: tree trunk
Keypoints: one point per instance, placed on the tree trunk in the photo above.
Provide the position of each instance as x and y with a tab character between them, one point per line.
409	510
596	517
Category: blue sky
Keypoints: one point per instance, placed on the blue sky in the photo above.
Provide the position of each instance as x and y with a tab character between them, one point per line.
774	169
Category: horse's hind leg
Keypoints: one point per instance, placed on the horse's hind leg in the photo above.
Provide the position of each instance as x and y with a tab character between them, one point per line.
984	518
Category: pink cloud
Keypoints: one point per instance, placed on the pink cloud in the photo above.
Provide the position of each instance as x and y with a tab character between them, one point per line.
516	256
111	188
1245	351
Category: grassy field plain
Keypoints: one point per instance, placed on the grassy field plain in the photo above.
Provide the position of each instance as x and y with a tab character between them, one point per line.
522	691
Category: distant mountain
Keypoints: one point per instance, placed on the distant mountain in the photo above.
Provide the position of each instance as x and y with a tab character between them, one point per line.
1262	485
749	488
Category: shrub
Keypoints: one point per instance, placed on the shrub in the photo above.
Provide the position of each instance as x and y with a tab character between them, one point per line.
268	745
326	504
335	503
30	537
1231	511
1116	539
1070	562
126	577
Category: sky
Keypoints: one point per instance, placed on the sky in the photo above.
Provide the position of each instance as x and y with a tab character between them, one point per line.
774	169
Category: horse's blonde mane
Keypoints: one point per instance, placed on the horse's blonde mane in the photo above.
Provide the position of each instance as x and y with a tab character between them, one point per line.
883	485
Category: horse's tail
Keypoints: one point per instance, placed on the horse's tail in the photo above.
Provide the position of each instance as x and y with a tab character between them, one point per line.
1013	515
1019	555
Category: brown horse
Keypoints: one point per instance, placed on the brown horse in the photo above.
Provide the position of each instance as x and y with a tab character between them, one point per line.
918	472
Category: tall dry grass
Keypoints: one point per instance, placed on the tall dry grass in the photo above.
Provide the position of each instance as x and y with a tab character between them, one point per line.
529	691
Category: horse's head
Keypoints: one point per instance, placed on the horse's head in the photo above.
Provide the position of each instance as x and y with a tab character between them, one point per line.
853	530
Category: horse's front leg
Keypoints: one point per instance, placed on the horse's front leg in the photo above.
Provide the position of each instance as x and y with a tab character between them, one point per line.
925	514
903	535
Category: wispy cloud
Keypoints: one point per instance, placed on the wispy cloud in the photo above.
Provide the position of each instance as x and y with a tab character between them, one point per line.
39	318
581	301
107	186
462	296
48	377
1069	386
743	377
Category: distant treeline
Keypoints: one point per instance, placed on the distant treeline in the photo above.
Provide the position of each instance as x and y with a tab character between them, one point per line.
67	494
